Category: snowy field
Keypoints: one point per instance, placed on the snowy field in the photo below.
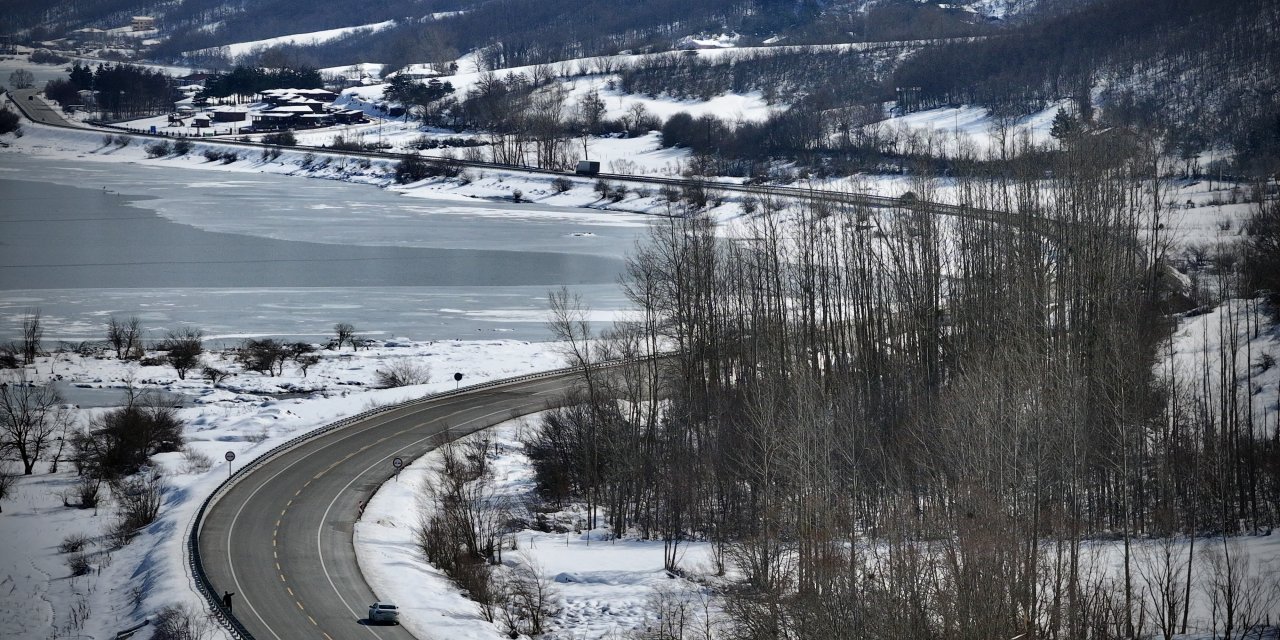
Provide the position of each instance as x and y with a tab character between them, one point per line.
311	38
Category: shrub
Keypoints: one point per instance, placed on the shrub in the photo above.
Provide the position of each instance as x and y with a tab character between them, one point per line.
79	564
9	121
517	195
412	168
159	149
108	140
351	144
45	56
561	185
140	497
195	462
123	141
229	156
73	543
181	623
283	138
182	147
88	491
403	373
120	442
212	155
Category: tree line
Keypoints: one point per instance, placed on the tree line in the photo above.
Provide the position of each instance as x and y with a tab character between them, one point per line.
892	425
121	91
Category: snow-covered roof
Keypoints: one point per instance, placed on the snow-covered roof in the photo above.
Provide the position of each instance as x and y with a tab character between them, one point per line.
290	109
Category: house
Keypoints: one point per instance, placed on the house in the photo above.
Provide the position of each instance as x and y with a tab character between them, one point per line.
143	23
346	116
229	114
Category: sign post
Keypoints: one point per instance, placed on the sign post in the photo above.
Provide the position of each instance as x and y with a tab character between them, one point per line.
230	455
398	464
457	380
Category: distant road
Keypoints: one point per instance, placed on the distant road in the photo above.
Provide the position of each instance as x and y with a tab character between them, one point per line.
281	539
36	109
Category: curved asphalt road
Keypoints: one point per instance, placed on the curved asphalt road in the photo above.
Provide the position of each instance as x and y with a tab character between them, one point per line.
281	539
36	109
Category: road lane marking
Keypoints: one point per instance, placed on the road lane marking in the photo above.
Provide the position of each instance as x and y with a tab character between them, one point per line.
313	621
345	436
325	517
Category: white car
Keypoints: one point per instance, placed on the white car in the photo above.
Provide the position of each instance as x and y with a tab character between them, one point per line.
384	612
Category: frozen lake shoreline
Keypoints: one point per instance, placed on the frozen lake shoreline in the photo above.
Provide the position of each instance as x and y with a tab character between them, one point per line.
265	255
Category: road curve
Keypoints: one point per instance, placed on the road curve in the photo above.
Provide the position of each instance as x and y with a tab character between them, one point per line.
280	539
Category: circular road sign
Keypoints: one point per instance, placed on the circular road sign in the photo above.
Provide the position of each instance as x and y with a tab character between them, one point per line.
397	462
231	455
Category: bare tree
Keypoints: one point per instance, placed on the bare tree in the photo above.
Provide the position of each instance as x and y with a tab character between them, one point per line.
214	375
140	497
183	348
32	418
21	79
6	484
267	355
125	337
345	332
1162	567
32	334
529	598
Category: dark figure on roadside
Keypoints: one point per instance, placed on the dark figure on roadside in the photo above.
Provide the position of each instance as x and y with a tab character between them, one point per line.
226	600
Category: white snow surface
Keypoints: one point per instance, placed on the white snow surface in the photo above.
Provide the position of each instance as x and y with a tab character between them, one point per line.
310	38
974	129
1234	335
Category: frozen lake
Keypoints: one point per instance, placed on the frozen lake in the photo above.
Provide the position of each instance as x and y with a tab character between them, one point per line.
261	254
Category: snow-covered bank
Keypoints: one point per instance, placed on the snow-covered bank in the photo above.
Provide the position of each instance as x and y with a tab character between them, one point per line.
605	586
38	595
